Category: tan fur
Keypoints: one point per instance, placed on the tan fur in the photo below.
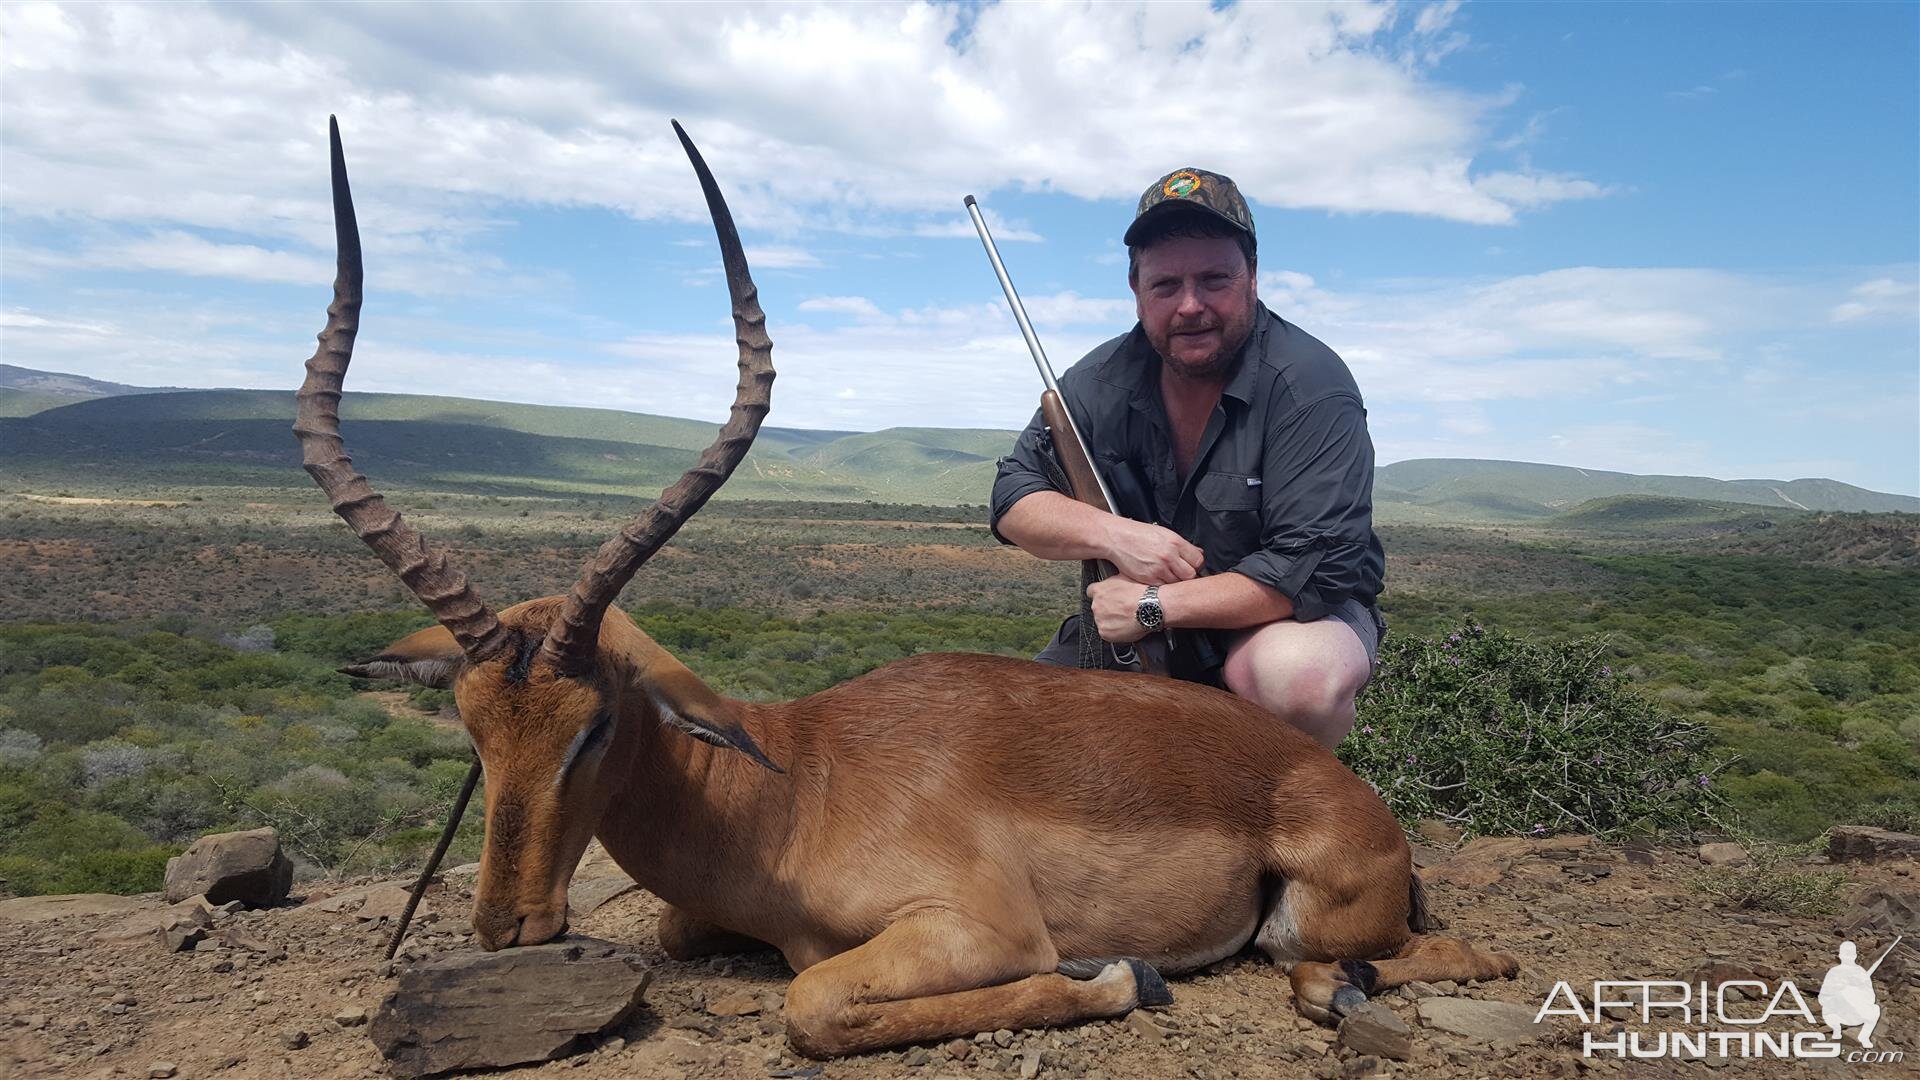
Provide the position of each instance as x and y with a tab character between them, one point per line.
943	825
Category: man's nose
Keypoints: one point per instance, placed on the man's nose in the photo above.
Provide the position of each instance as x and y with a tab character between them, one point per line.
1190	304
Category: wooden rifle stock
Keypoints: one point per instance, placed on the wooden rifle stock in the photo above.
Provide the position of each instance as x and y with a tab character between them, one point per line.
1073	456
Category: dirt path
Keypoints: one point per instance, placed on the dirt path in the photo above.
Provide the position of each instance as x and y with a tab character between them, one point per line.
1575	915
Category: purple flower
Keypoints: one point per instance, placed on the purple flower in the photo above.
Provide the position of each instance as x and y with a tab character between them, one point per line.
1595	760
1706	781
1606	672
1411	758
1368	730
1453	637
1539	829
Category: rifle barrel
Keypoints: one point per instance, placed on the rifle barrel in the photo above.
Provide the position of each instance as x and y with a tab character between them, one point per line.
1033	341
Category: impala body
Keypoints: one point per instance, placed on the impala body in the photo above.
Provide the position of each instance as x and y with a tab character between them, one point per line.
949	844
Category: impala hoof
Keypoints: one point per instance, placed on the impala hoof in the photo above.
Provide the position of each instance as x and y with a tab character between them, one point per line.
1153	988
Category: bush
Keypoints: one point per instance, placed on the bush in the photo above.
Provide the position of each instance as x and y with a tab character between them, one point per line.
1502	735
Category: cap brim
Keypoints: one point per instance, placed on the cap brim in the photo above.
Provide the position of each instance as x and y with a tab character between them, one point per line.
1175	206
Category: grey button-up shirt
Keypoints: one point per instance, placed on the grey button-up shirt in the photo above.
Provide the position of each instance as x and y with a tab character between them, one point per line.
1282	487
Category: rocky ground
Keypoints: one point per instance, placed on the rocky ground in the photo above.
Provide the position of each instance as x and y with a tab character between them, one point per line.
88	990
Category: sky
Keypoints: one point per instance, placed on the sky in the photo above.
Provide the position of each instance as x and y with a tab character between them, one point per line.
1654	238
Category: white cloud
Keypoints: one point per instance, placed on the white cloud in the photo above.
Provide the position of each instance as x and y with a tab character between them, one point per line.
773	257
199	116
857	306
1879	297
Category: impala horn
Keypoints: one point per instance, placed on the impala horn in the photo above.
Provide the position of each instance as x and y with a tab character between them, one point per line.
435	579
572	638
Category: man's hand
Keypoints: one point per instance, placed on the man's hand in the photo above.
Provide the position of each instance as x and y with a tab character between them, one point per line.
1150	554
1116	603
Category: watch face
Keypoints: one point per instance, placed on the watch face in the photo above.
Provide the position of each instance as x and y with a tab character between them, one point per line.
1148	612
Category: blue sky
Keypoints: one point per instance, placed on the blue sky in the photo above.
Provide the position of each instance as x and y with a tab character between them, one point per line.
1678	238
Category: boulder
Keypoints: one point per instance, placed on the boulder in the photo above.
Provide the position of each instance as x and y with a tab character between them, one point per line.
491	1010
1858	843
1481	1021
245	866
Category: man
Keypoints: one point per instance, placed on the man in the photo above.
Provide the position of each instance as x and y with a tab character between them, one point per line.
1236	450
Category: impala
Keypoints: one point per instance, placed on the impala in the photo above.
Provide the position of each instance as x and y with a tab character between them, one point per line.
949	844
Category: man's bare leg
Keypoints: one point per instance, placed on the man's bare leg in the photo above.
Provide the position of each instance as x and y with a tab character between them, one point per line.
1305	673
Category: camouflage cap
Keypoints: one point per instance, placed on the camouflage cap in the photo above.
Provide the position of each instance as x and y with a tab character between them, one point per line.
1195	189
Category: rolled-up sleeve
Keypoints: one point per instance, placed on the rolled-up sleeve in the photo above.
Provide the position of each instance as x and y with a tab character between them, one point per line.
1022	472
1316	508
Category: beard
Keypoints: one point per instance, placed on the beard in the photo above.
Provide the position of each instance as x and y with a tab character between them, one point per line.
1215	365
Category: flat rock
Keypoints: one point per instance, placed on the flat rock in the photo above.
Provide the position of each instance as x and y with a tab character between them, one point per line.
1144	1023
475	1010
384	902
1726	854
1858	843
1878	911
40	908
1481	1021
1373	1029
740	1003
245	866
591	894
152	923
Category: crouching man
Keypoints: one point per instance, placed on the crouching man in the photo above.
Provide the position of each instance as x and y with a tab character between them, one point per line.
1235	446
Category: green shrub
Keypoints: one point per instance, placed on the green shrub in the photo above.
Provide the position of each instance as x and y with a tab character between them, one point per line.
1503	735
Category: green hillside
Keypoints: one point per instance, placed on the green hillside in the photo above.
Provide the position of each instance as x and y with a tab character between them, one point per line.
1641	513
1523	486
242	437
27	402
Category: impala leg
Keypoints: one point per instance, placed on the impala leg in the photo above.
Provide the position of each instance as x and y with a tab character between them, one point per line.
688	937
1327	991
938	975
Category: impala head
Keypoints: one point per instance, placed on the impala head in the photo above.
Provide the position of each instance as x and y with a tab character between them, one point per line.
556	693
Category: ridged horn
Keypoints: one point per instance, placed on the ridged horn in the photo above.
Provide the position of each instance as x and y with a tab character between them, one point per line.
572	637
435	579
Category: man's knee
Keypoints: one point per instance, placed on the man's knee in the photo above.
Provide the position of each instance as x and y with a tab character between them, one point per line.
1289	689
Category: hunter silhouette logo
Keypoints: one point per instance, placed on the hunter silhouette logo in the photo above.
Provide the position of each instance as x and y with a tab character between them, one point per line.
1846	994
1735	1018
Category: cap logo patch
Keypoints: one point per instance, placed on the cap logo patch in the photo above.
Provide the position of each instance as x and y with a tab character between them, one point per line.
1180	185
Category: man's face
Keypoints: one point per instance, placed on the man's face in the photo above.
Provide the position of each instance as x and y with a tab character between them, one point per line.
1195	298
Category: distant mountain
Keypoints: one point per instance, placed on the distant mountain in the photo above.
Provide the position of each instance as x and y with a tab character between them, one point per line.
24	391
242	437
1473	489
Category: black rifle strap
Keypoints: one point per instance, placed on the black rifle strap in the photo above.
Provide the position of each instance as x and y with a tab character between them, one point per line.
433	863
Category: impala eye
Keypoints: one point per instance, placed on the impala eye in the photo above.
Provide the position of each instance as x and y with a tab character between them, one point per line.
591	738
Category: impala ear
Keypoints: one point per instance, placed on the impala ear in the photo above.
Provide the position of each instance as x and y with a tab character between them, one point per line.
688	705
430	657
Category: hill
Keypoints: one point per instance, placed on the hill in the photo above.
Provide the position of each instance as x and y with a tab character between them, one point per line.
54	427
1522	489
25	391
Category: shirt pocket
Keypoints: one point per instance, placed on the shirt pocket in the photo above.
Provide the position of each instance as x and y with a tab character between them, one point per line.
1229	517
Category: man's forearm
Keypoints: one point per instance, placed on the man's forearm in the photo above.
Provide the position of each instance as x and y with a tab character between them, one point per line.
1049	525
1226	601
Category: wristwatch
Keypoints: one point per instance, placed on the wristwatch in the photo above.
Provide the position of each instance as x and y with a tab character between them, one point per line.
1148	610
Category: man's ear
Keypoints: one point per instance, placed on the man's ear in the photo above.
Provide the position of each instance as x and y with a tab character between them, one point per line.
688	705
429	657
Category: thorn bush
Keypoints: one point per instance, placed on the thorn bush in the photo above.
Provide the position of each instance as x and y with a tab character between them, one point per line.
1498	734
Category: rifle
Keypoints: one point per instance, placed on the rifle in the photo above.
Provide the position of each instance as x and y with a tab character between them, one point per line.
1084	483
